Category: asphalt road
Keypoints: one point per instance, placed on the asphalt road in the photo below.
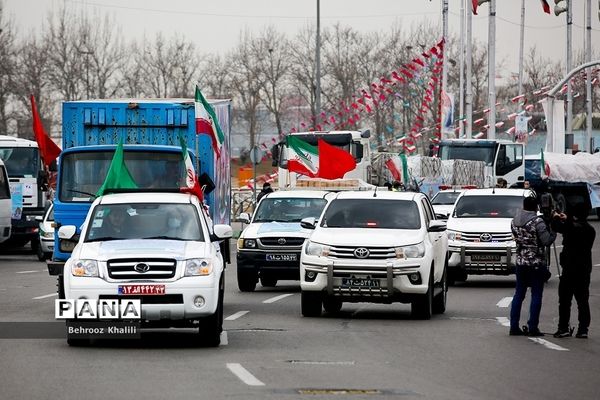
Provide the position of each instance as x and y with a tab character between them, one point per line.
269	351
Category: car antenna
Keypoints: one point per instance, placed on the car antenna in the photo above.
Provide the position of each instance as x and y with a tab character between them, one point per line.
375	193
494	190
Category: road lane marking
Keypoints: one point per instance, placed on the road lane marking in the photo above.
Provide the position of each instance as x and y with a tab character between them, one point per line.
308	362
28	272
596	265
236	315
548	344
244	375
224	339
503	321
45	296
274	299
505	302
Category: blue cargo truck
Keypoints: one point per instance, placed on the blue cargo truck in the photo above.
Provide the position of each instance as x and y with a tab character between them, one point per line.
150	131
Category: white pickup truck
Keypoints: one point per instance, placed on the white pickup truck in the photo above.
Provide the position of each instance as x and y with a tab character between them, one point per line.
375	246
159	248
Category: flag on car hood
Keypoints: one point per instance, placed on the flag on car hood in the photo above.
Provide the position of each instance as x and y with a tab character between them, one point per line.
118	176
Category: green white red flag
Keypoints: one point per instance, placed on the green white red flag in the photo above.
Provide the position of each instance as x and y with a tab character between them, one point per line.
544	167
323	161
191	179
207	123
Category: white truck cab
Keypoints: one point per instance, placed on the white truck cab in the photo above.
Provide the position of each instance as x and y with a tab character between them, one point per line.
156	247
375	246
5	204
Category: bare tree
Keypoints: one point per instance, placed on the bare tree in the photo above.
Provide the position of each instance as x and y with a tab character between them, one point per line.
303	76
8	67
214	76
133	79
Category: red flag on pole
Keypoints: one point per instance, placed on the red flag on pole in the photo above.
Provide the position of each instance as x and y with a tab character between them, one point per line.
475	5
545	5
48	149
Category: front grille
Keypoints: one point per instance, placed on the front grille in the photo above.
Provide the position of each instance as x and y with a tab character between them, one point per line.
493	237
282	241
374	253
150	299
158	268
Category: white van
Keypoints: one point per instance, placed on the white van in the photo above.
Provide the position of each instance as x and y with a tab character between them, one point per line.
5	204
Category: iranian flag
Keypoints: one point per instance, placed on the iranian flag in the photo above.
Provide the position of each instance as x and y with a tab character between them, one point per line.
546	6
191	180
544	167
207	123
321	161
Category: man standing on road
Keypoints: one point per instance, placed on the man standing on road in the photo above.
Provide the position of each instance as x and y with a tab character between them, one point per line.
531	236
265	190
576	263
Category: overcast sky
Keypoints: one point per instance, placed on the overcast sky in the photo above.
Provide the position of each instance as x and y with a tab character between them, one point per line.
215	25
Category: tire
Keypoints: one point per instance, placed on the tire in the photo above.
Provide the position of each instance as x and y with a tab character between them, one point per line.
332	305
561	202
439	301
598	212
60	285
211	327
267	281
246	281
422	307
39	252
311	303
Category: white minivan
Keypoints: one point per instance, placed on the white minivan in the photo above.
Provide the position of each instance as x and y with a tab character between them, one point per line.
5	204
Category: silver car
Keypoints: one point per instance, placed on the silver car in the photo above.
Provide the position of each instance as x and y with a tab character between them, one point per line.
45	245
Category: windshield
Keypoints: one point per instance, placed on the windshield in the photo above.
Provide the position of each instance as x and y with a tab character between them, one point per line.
288	210
372	213
83	173
488	206
445	198
144	221
474	153
20	162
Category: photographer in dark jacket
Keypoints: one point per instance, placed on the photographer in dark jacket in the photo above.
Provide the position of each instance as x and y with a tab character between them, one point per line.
531	236
576	263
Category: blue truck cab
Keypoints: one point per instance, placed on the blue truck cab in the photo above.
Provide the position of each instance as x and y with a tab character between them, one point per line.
150	131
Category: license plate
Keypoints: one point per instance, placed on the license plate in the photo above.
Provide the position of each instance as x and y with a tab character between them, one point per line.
282	257
141	289
485	257
360	282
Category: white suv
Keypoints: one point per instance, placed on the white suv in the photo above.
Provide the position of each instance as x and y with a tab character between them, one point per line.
380	247
156	247
479	237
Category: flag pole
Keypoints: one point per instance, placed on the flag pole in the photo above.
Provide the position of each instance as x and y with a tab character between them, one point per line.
444	59
492	71
461	101
521	46
588	82
469	85
569	129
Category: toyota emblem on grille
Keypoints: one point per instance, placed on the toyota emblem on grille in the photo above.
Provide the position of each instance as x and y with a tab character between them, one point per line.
141	267
281	241
485	237
361	252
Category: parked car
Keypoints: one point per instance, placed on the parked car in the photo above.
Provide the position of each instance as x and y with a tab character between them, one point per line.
444	200
480	240
156	247
378	247
45	245
269	247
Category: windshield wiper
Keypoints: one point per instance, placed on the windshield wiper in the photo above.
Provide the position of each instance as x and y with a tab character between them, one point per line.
163	237
104	239
80	192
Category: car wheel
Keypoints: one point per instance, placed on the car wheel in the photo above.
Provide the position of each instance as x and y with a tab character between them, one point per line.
332	305
439	301
311	303
36	247
39	252
60	285
211	327
267	281
246	281
421	308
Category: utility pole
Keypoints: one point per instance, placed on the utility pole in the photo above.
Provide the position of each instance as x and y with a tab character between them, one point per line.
318	65
521	46
469	79
588	82
461	92
569	129
445	59
492	71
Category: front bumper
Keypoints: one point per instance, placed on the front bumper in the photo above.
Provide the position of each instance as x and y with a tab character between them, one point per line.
256	261
176	304
47	245
392	276
493	259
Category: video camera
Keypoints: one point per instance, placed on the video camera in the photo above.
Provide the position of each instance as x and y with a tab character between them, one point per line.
547	207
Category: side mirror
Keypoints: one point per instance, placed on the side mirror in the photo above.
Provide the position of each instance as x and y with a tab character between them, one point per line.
67	232
244	217
437	226
39	218
365	134
222	232
359	151
441	216
308	223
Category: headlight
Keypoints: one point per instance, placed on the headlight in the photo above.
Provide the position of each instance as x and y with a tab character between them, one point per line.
453	235
317	249
198	267
413	251
46	235
246	243
84	268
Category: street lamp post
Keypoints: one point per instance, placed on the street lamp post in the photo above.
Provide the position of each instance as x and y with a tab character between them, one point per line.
318	64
